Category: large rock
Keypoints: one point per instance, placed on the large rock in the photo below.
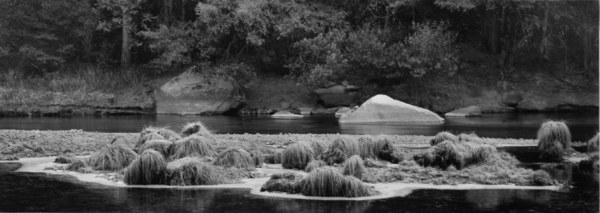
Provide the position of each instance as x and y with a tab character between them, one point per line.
382	108
194	92
470	111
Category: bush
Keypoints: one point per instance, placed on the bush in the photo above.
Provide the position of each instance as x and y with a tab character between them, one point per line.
354	166
379	149
192	146
314	164
258	158
592	144
339	150
235	157
441	137
192	171
286	182
161	146
296	156
64	159
553	139
327	182
112	158
195	128
148	168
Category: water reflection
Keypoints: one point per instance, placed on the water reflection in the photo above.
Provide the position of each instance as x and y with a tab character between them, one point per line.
490	199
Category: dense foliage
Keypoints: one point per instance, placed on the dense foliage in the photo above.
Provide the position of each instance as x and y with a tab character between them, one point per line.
380	42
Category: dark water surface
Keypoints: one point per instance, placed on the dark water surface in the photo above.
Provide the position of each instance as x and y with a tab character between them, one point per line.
40	192
500	125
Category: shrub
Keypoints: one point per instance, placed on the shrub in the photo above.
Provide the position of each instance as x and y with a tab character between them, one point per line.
195	128
79	165
379	149
327	182
296	156
549	136
592	144
314	164
441	137
317	147
113	158
258	158
192	171
161	146
339	150
192	146
235	157
274	158
354	166
282	182
64	159
148	168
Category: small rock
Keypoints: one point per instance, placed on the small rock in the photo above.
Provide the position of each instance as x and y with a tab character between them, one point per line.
285	114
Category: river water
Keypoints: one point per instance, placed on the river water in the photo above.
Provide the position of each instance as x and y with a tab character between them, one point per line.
41	192
499	125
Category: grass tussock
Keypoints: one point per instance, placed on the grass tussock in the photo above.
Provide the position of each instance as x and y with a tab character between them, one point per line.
80	166
456	154
441	137
354	166
193	146
379	149
339	150
471	137
161	146
65	159
197	128
314	164
120	140
258	158
592	144
148	168
112	158
145	137
317	147
192	171
328	182
274	158
164	132
554	138
296	156
282	182
235	157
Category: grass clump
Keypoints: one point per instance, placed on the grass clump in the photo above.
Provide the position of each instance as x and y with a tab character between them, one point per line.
296	156
456	154
235	157
167	134
314	164
274	158
441	137
554	138
195	128
120	140
112	158
147	137
192	146
471	137
354	166
65	159
592	144
258	158
328	182
191	171
317	147
339	150
148	168
282	182
80	166
161	146
379	149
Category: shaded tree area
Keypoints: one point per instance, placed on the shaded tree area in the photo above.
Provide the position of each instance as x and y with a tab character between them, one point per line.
374	44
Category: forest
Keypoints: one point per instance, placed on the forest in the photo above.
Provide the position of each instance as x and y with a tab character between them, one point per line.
401	47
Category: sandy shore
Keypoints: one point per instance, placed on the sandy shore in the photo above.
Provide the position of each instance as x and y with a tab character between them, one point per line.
386	190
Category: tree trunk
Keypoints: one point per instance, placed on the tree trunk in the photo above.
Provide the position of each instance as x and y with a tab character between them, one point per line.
126	39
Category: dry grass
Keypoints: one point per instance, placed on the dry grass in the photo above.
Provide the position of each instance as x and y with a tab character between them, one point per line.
317	147
197	128
592	144
471	137
314	164
274	158
192	171
65	159
148	168
259	160
554	138
112	158
144	137
354	166
79	165
441	137
328	182
456	154
339	150
235	157
164	132
161	146
296	156
379	149
193	146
